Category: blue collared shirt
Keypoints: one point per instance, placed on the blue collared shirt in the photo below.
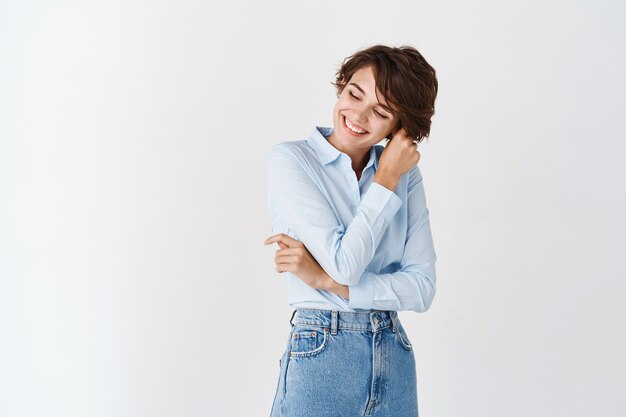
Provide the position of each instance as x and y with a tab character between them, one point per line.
376	241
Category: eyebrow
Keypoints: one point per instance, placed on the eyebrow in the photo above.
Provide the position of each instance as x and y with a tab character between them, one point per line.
386	108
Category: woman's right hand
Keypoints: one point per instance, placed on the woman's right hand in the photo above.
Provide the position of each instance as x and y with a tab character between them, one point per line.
399	157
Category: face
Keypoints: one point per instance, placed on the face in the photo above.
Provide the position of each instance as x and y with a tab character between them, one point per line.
359	119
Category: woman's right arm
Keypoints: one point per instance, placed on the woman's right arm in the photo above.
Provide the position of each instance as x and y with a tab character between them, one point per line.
343	252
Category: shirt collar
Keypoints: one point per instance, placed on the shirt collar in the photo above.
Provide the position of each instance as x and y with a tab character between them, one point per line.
327	153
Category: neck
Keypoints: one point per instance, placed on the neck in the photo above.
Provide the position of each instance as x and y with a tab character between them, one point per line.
359	157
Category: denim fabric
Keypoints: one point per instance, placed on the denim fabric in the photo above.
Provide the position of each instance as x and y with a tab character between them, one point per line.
346	364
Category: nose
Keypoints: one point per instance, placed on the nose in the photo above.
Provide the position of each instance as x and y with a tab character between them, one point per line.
358	115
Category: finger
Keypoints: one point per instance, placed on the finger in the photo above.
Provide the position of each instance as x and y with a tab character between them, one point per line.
284	267
288	251
295	252
289	259
404	138
282	237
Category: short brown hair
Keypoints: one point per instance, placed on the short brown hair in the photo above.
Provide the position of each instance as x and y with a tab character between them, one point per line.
407	81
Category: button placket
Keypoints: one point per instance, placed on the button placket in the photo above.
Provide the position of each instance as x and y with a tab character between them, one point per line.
354	185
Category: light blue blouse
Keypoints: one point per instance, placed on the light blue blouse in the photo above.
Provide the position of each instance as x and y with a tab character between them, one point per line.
376	241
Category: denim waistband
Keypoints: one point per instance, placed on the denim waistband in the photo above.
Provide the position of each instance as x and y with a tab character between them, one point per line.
335	320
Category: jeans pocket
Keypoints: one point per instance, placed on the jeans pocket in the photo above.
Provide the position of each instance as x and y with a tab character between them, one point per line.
403	338
307	340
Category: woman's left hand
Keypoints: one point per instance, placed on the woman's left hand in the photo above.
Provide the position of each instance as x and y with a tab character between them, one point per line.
294	257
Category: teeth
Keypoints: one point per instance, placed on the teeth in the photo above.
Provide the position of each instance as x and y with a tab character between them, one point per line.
352	128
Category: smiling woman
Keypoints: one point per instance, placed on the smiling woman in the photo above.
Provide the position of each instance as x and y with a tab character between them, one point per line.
355	245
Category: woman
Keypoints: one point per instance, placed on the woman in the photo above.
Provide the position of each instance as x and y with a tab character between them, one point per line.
351	222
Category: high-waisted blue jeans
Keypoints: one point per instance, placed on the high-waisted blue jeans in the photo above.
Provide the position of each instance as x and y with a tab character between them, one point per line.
345	364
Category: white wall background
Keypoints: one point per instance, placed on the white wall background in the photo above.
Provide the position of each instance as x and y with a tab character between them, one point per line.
133	277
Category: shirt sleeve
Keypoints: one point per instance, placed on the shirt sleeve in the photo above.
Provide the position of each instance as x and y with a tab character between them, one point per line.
412	287
343	252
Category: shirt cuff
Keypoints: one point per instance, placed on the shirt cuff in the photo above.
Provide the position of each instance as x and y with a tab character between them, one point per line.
383	200
362	294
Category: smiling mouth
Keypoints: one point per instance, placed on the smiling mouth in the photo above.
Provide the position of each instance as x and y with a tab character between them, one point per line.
350	128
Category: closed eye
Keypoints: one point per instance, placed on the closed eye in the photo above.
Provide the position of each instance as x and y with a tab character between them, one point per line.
378	114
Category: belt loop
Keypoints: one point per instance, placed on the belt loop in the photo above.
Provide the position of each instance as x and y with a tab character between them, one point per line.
291	319
333	323
394	320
